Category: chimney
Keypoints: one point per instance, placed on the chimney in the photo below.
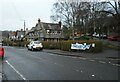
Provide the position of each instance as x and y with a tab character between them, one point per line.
26	29
39	20
21	29
60	24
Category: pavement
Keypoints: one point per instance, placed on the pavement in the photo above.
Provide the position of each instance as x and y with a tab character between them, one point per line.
107	53
22	64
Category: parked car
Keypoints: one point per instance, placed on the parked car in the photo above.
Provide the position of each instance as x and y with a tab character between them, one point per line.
112	38
35	45
96	35
1	51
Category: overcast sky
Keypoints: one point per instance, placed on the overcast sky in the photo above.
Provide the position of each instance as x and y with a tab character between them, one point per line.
14	12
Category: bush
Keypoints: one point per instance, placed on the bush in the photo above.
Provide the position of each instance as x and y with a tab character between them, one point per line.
15	43
51	45
66	45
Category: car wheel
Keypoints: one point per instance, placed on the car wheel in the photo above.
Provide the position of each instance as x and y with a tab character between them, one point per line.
32	49
41	49
28	49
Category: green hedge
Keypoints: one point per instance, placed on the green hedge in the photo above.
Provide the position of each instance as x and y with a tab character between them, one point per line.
66	45
15	43
51	45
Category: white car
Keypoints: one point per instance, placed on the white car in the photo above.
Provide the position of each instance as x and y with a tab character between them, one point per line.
35	45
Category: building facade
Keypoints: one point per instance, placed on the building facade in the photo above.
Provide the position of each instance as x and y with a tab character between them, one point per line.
45	31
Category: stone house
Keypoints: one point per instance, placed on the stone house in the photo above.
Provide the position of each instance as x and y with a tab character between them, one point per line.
45	31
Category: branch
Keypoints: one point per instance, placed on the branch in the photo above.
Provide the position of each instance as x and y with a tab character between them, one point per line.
114	7
107	12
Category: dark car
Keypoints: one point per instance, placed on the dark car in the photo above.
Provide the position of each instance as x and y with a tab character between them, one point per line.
112	38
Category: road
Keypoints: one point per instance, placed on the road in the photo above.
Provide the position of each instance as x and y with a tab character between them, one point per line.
0	69
21	64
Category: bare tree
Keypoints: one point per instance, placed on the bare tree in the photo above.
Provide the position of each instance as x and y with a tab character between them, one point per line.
73	14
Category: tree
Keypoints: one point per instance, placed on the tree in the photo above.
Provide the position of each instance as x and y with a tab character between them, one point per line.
114	10
73	14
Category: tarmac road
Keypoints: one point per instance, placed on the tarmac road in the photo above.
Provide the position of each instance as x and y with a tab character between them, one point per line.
21	64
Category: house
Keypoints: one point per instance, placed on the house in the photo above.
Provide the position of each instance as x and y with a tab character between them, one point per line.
45	31
19	34
0	36
12	35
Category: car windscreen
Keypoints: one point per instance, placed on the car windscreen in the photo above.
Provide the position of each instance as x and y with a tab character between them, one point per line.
36	42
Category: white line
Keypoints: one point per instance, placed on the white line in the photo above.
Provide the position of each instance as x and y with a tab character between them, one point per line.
92	60
0	75
82	58
16	71
117	65
77	70
74	57
101	62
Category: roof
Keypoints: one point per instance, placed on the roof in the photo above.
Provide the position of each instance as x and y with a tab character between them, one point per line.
47	26
51	26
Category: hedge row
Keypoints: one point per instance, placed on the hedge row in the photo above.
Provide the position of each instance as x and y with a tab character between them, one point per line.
15	43
63	45
51	45
66	45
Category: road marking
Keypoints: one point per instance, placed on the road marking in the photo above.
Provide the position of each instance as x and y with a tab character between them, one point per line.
93	75
82	58
74	57
77	70
92	60
116	64
0	75
16	71
101	62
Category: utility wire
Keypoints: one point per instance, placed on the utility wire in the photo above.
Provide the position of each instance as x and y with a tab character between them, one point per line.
16	10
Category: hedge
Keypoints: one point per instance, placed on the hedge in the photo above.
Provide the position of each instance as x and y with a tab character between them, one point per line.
66	45
63	45
51	45
15	43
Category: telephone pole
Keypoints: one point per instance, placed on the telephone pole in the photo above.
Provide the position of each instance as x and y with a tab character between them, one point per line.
24	28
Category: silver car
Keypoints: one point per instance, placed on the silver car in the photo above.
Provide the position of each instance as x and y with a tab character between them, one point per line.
35	45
